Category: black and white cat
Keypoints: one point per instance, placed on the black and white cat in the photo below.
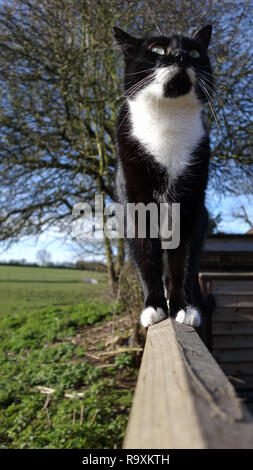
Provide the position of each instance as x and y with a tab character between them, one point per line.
163	156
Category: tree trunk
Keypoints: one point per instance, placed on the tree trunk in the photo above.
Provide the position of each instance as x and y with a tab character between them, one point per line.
109	262
120	256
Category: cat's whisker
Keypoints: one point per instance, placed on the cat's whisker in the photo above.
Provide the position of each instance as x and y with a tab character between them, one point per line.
207	78
205	67
141	82
217	95
210	99
153	19
123	120
209	81
126	95
142	71
133	88
211	90
138	86
205	72
206	88
210	104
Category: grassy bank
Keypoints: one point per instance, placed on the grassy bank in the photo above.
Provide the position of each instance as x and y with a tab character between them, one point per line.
58	386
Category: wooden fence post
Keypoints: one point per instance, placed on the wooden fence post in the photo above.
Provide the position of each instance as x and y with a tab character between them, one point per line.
183	400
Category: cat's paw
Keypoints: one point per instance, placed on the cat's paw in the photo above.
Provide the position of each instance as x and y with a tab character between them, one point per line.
151	315
189	316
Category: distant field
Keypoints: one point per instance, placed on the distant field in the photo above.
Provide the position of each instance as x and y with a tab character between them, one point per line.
27	288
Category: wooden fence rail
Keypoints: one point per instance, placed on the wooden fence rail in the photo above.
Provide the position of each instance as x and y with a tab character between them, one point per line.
183	400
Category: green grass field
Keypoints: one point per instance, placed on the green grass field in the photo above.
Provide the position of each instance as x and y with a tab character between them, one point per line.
49	319
28	288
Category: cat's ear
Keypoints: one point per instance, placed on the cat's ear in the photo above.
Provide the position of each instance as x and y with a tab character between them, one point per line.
204	35
127	43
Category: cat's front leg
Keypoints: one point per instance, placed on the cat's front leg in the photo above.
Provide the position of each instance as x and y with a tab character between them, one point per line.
192	292
180	302
147	255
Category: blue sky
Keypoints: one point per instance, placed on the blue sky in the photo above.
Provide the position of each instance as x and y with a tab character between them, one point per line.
226	206
64	251
59	249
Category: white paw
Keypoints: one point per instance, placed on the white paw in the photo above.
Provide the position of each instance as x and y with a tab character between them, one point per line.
150	316
168	303
189	316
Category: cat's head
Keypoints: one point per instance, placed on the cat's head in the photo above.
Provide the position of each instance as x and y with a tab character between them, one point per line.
167	67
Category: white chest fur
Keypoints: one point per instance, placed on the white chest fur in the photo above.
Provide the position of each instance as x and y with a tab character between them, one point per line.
169	129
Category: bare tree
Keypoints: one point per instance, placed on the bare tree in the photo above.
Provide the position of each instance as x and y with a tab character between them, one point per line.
43	256
59	84
243	215
57	72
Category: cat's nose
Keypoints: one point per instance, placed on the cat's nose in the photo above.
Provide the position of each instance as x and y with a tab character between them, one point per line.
179	56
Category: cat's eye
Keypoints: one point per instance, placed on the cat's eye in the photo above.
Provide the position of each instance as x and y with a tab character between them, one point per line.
158	50
194	54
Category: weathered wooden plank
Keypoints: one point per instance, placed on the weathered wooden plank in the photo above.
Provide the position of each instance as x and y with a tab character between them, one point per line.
234	300
233	314
182	398
232	328
228	355
239	286
230	243
250	406
238	369
232	341
226	276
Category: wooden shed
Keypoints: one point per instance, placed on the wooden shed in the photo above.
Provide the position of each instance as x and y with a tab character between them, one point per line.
227	272
183	398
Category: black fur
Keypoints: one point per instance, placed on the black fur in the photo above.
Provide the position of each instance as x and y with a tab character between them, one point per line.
140	178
